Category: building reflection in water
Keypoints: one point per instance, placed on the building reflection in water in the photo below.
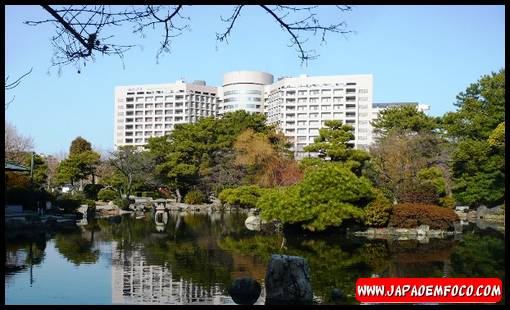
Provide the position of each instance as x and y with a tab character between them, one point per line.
135	282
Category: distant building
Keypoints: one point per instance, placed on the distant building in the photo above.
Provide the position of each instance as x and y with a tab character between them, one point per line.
299	106
145	111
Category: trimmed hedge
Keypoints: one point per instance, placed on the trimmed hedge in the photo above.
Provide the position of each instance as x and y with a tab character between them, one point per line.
412	215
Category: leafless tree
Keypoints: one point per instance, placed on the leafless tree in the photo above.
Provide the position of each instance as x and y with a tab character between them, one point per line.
12	85
84	31
16	145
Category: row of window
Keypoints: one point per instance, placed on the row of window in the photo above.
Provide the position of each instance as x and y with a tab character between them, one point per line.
324	85
168	105
242	91
138	140
147	126
233	99
155	119
177	112
314	131
312	123
317	107
312	138
169	98
145	133
246	106
315	114
166	112
155	92
318	91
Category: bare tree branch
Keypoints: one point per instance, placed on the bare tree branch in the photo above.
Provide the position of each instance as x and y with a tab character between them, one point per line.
232	19
168	25
81	31
9	86
14	84
303	25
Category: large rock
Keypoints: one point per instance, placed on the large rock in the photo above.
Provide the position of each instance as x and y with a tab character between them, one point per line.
288	281
423	230
481	212
337	295
252	222
245	291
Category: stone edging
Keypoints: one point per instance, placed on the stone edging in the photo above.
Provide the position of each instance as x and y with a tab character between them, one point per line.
422	231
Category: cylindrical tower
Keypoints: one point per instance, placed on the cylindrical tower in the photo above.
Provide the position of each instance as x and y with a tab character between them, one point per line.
243	90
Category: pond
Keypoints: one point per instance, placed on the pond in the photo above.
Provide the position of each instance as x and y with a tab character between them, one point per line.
193	258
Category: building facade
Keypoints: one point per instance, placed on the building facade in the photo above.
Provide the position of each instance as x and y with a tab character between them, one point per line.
243	90
299	106
144	111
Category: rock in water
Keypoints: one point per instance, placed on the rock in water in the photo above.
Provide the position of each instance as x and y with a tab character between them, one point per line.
337	295
288	281
252	222
245	291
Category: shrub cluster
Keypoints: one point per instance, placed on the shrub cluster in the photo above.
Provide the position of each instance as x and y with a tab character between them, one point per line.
377	213
107	194
194	197
447	202
329	195
412	215
123	203
243	196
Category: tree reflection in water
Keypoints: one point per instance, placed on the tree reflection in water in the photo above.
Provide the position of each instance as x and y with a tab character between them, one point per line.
212	250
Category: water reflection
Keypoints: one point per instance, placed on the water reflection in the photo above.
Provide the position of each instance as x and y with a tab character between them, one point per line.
134	281
182	258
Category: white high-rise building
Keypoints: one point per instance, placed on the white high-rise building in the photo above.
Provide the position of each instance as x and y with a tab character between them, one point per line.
299	106
144	111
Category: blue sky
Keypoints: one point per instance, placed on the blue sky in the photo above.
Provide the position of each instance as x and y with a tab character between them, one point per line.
416	53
